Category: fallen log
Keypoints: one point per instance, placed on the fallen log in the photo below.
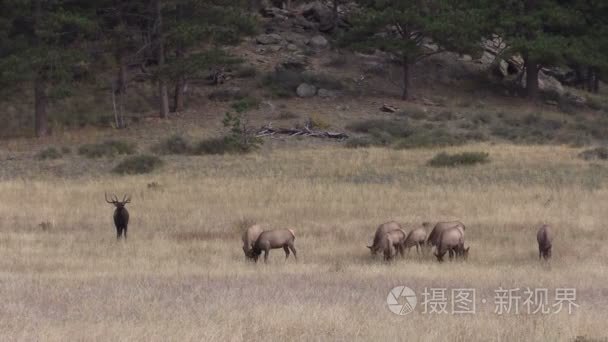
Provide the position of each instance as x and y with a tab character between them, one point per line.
268	130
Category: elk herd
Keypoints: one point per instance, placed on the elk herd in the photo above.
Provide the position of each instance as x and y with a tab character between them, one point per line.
389	239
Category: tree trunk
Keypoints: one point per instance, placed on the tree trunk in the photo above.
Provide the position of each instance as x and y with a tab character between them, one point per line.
41	101
41	120
180	83
531	78
406	78
162	83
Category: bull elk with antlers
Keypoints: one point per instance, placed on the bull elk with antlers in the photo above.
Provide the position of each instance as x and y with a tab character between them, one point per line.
121	215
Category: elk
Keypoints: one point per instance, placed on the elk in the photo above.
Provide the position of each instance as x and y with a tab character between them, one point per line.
273	239
415	238
121	215
392	243
544	236
250	236
435	235
380	235
452	241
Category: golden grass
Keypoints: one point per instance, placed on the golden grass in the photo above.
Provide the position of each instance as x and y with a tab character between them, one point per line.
182	276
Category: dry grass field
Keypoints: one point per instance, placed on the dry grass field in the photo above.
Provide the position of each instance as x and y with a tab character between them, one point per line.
181	276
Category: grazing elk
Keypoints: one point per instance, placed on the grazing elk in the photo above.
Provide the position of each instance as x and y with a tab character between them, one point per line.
452	241
434	236
250	236
380	235
273	239
416	237
544	236
392	243
121	215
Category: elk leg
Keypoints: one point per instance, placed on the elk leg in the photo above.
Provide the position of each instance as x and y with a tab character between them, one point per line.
118	233
293	250
125	232
286	249
266	252
418	249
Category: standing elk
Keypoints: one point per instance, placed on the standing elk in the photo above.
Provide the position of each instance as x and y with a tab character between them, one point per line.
273	239
544	236
121	215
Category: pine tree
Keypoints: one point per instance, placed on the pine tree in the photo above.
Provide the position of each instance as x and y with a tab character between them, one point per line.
404	27
42	43
196	31
536	30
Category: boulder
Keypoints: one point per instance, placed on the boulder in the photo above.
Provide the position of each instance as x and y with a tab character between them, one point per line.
306	90
319	42
269	39
320	14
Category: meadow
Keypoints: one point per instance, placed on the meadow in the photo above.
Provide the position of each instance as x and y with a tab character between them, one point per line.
181	274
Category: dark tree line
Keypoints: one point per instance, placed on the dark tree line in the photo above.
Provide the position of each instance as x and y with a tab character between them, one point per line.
43	43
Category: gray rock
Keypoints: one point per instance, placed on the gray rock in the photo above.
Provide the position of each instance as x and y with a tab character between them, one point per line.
269	39
275	48
306	90
292	47
319	42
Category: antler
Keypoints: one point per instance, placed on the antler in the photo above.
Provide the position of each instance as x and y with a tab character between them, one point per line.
126	199
106	196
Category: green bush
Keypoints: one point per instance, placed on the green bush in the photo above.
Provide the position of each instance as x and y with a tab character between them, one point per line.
459	159
213	146
109	148
49	153
138	165
175	144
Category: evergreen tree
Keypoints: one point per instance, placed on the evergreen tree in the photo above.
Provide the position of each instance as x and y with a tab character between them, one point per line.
536	30
41	43
404	27
196	31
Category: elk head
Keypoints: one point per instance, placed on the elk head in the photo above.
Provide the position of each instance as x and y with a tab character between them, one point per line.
118	204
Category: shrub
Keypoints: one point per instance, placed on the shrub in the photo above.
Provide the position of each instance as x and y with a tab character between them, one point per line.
391	127
359	142
433	138
246	104
66	150
49	153
316	121
109	148
175	144
459	159
138	165
595	153
212	146
245	72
